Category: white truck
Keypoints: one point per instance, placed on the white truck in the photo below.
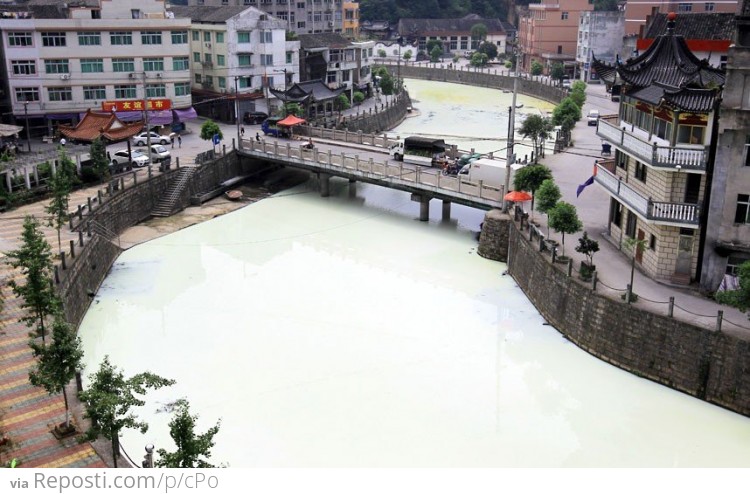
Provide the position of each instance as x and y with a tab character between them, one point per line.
418	150
490	172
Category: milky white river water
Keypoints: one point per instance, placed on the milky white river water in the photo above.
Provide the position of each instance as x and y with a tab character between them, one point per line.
342	331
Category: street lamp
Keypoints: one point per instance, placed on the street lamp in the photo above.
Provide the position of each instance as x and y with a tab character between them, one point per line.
148	459
26	117
237	107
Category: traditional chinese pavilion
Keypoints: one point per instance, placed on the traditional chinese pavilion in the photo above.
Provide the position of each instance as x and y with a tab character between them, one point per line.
664	137
316	96
100	124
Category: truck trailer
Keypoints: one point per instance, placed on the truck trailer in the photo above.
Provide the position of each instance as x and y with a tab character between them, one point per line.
418	150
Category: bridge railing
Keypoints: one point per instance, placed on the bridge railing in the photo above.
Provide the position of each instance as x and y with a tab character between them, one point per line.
351	164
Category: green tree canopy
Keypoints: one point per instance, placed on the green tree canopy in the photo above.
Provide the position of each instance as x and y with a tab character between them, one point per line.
530	178
579	86
557	72
578	97
192	447
563	218
34	257
57	209
431	44
536	67
407	55
387	84
382	53
209	129
342	102
436	53
478	59
489	49
479	32
99	160
546	197
588	247
359	97
58	362
109	399
738	298
537	128
293	108
566	114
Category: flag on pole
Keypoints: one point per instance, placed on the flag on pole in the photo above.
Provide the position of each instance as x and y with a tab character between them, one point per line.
587	182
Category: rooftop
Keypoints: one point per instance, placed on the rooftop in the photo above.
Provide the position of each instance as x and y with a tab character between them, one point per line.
707	25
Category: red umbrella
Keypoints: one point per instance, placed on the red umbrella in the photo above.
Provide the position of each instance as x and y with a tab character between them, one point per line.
517	196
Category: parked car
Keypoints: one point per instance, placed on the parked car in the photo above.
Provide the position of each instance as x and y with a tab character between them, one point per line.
254	117
134	158
159	153
593	117
566	83
142	138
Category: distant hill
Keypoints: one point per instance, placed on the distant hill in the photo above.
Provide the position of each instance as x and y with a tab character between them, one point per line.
393	10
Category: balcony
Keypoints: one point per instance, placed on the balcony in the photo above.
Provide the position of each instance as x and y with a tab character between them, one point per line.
688	157
662	213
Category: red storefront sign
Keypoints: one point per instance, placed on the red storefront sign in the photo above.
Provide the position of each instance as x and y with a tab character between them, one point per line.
137	105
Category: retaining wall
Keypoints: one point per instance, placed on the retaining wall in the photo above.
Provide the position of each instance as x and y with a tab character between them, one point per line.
710	365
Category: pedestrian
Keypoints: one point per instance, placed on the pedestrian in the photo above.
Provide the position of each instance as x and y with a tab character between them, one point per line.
242	131
179	140
63	141
257	136
172	143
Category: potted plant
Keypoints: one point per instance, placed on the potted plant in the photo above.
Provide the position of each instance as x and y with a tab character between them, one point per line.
588	247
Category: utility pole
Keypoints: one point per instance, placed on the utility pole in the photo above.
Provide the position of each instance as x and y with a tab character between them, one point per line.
145	118
511	136
237	108
26	117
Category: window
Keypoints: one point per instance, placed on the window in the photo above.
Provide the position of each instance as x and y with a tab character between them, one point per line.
180	63
196	36
207	36
632	223
151	37
331	78
300	5
59	94
652	242
182	89
135	13
208	81
219	37
90	65
301	25
27	94
196	57
156	91
89	39
207	58
20	39
222	82
743	208
121	38
734	262
245	82
125	91
640	171
23	67
244	60
684	7
96	14
197	78
615	213
60	66
153	64
266	59
564	16
179	37
94	92
123	65
266	37
710	6
723	62
747	151
53	39
690	134
243	36
289	57
220	60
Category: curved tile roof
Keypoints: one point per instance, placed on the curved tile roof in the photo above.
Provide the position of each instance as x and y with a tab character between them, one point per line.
101	124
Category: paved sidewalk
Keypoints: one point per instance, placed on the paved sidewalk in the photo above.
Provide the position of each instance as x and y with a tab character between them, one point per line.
573	167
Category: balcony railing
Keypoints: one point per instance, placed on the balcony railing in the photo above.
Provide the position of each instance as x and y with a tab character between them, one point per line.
687	157
670	213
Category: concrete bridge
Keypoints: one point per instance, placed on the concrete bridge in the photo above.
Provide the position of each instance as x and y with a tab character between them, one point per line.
373	167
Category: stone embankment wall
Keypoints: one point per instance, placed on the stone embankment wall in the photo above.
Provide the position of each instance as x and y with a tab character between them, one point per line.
117	210
711	365
491	78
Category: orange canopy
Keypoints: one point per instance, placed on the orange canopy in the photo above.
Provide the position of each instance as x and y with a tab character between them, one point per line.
291	121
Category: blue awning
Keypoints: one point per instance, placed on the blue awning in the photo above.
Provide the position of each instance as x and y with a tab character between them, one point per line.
185	114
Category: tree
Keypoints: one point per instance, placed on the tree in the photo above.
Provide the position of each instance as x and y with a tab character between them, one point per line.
557	72
387	84
382	53
478	59
478	34
588	247
407	55
489	49
209	129
739	298
536	67
358	97
57	209
547	197
110	397
34	257
432	43
436	53
531	178
578	97
579	86
191	447
342	103
563	218
57	363
99	160
293	109
566	114
538	128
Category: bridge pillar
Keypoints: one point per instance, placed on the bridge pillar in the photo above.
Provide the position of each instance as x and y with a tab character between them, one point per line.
325	184
424	208
352	187
446	210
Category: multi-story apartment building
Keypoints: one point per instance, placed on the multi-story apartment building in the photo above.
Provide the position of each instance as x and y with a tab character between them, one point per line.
664	138
548	32
350	26
241	51
637	12
337	61
728	228
63	59
300	16
600	33
454	33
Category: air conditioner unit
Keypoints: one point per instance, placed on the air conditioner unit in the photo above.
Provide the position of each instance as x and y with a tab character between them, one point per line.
64	77
131	76
330	24
158	75
208	45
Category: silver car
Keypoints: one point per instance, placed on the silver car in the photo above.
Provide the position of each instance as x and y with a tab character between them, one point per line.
159	153
137	158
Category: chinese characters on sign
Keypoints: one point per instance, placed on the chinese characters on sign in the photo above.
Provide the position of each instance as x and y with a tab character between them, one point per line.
137	105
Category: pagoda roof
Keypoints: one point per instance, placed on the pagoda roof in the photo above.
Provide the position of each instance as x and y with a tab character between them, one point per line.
101	124
301	92
685	99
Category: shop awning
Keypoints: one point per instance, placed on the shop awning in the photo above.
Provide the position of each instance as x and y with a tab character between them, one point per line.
161	117
185	114
291	121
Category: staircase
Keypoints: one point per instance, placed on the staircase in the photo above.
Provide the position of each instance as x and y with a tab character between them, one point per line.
104	232
166	205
